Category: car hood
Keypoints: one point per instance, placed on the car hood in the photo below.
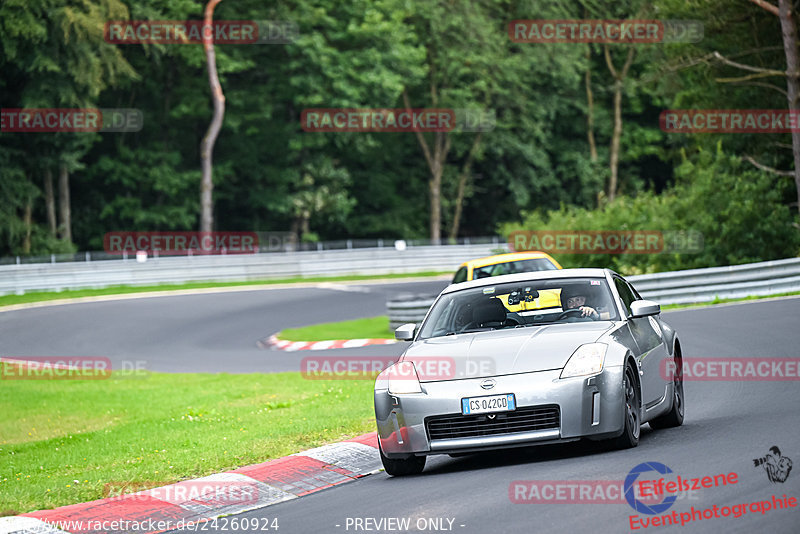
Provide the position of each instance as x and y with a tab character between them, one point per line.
501	352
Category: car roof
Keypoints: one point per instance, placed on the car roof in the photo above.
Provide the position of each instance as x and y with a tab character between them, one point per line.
502	258
524	277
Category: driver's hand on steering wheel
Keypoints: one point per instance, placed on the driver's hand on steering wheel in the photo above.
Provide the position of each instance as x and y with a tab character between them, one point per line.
587	311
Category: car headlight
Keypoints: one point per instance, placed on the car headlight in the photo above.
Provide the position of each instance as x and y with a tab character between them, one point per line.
402	378
586	360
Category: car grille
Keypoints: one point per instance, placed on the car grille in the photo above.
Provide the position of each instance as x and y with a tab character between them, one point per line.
469	426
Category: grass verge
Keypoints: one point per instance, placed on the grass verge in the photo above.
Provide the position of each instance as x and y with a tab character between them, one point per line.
39	296
371	327
63	441
725	301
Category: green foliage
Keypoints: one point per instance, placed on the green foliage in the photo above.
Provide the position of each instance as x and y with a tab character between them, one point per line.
271	175
742	213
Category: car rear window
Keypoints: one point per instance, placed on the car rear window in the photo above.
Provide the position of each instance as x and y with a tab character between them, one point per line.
513	267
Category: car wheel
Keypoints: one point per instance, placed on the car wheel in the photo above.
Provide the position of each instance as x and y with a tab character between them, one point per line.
632	413
398	467
674	417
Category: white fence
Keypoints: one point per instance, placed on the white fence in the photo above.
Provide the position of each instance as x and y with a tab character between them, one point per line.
19	279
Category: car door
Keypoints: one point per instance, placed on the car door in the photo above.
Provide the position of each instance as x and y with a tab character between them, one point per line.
649	339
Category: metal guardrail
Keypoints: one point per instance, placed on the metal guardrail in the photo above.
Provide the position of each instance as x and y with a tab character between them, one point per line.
735	281
675	287
19	279
408	309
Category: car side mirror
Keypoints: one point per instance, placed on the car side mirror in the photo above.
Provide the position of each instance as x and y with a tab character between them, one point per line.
405	332
644	308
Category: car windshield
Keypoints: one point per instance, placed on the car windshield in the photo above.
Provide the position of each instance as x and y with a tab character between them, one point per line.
513	267
520	304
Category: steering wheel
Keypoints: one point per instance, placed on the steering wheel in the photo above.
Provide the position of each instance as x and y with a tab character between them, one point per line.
567	313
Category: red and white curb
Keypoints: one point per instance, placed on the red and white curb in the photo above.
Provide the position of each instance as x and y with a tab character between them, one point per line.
290	346
180	504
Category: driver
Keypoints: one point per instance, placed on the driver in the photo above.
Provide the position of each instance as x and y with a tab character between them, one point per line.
574	298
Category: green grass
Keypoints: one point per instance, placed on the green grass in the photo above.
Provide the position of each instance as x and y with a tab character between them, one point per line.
371	327
39	296
723	301
62	441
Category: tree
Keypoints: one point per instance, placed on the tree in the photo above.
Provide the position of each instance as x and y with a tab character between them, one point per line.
53	56
207	146
785	15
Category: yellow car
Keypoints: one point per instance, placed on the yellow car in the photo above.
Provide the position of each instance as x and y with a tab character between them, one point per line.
515	262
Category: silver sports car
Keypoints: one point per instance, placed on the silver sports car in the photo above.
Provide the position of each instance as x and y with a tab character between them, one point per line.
525	359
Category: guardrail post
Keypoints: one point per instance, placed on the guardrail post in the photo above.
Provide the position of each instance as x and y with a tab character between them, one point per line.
349	244
88	256
17	260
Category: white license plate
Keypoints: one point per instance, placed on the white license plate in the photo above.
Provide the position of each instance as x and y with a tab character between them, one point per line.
491	403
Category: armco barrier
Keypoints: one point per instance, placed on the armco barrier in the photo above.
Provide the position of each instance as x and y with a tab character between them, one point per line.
23	278
675	287
735	281
408	309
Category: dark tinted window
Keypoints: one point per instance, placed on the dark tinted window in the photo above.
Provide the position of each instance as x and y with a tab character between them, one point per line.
461	276
626	293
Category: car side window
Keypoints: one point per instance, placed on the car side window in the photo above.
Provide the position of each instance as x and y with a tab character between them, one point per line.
635	293
625	293
461	276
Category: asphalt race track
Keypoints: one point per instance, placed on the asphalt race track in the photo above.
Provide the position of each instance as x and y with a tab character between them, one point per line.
727	425
212	332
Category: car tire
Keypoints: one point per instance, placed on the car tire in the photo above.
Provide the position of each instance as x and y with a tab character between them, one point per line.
631	411
674	417
399	467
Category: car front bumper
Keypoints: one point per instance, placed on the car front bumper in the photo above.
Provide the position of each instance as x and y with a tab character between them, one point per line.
590	407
